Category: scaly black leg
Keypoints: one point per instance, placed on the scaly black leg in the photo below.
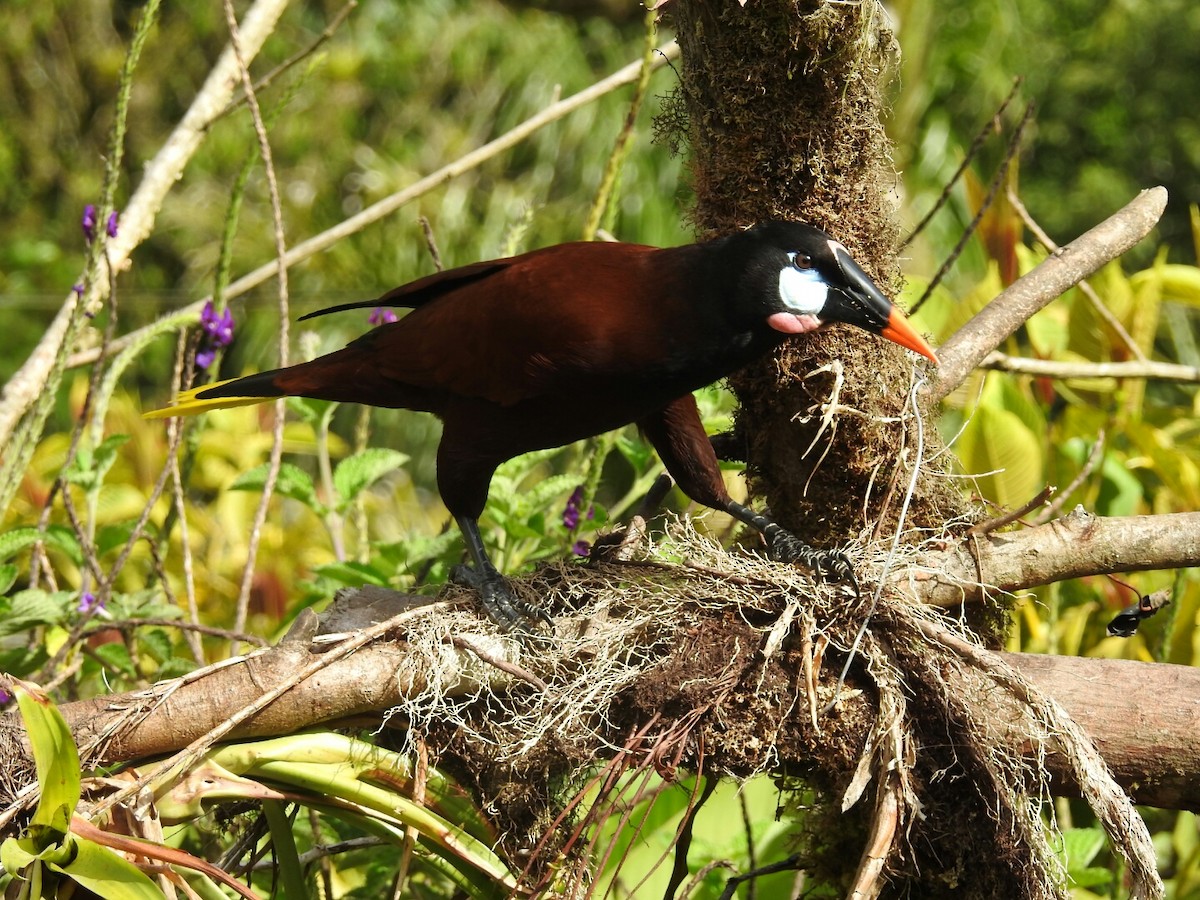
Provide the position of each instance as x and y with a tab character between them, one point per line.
782	545
495	595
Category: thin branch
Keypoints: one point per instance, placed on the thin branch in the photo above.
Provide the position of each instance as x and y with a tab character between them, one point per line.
264	147
392	202
1075	546
1065	370
1086	289
1089	465
989	198
989	127
971	344
334	24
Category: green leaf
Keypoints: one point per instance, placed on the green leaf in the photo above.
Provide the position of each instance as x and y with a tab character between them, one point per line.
18	539
352	574
63	538
56	759
1002	445
108	874
156	642
8	576
292	482
90	465
30	608
356	473
115	655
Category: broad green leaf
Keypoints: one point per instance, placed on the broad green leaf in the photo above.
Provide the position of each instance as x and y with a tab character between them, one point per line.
292	482
356	473
108	874
1000	444
90	465
1179	283
63	538
156	642
554	489
55	756
1120	492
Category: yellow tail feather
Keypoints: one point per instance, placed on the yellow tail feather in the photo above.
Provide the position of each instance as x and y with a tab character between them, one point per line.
187	404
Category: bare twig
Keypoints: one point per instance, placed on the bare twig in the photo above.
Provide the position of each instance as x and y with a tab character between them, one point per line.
1009	517
334	24
971	344
991	126
989	198
1147	370
264	146
1086	289
1089	465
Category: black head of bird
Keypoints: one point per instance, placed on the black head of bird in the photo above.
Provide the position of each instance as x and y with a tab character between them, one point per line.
573	340
804	280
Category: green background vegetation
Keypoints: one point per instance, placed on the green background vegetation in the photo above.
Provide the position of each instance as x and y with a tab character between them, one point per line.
408	85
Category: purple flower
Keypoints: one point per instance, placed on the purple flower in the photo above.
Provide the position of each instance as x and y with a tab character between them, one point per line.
78	289
570	516
219	328
205	358
381	315
89	222
89	603
111	226
581	548
5	696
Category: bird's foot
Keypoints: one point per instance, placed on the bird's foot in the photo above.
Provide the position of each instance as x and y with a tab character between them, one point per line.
498	600
828	565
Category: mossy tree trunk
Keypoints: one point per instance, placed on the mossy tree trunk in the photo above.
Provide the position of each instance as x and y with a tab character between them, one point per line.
784	103
783	108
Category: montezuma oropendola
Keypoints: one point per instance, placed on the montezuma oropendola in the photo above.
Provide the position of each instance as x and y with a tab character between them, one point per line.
573	340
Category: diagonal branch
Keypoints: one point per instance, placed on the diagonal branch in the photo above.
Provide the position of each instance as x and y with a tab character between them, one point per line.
1012	307
1077	545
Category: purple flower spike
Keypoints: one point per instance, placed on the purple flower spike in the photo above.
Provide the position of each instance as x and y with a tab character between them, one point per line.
89	222
111	226
223	332
570	516
581	548
78	289
209	317
205	358
381	315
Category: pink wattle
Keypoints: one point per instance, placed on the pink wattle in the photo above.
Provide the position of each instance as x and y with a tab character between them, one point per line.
790	323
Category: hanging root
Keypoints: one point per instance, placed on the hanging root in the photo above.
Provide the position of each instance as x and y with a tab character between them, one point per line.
679	654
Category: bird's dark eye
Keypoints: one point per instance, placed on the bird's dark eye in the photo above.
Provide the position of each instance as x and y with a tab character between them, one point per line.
802	261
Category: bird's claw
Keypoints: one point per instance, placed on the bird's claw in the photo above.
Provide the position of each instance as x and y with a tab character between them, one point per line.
828	565
496	596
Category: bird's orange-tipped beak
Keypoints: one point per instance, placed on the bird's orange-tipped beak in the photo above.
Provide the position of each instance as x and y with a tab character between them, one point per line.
901	332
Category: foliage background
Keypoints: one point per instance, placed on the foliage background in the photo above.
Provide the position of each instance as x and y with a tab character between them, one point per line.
407	85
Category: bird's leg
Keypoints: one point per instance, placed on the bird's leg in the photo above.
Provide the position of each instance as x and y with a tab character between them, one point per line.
495	594
829	565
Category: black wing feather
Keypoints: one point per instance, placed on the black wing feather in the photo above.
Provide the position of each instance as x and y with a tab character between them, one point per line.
423	290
